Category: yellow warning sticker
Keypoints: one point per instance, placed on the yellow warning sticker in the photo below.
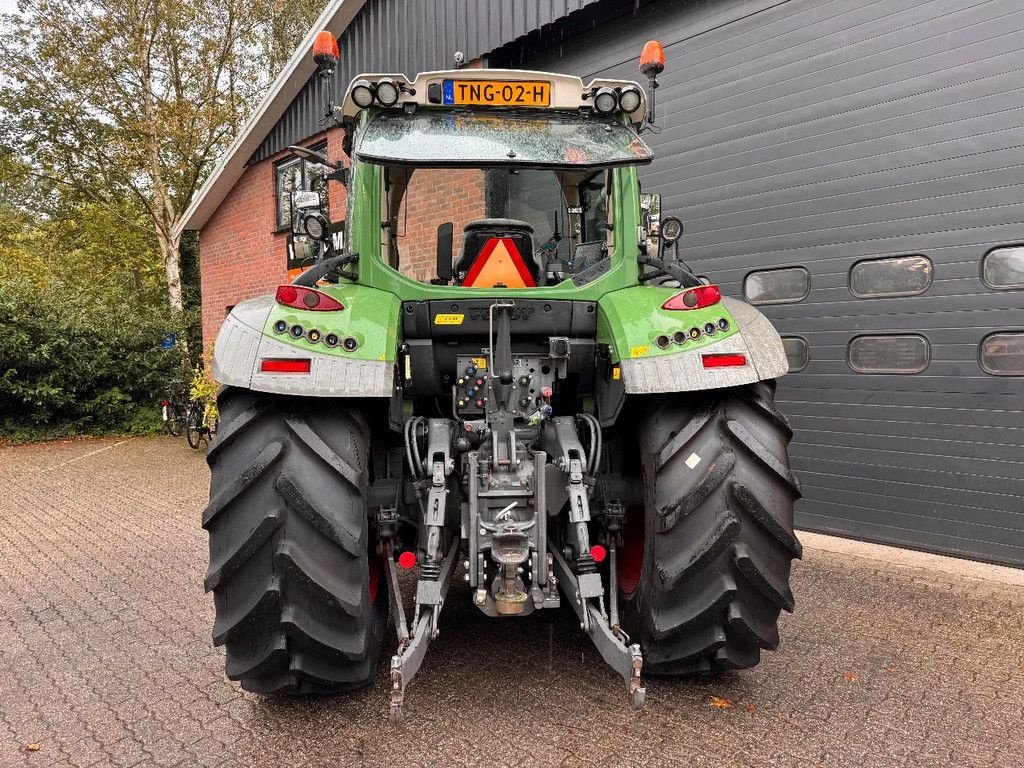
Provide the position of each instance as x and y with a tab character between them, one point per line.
454	318
639	351
616	373
480	363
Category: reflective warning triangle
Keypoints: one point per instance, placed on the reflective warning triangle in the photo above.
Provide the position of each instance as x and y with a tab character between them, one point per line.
499	264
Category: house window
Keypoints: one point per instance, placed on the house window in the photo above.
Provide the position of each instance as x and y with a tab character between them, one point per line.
777	286
1002	354
1003	268
797	352
294	174
890	353
891	276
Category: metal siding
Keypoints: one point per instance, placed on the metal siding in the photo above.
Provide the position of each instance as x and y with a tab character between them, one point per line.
412	36
820	133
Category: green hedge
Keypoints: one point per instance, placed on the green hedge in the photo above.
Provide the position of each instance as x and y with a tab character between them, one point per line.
70	365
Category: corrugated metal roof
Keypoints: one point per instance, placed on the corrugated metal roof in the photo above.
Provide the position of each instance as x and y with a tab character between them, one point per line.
412	36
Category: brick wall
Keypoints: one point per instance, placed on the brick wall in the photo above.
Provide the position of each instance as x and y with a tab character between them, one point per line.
240	254
434	197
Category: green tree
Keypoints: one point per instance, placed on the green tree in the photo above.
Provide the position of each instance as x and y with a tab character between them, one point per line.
129	98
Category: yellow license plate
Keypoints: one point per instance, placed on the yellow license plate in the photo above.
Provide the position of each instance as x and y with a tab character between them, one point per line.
497	93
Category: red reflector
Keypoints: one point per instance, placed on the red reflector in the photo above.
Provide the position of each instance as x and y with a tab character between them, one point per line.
599	553
723	360
407	560
694	298
294	365
300	297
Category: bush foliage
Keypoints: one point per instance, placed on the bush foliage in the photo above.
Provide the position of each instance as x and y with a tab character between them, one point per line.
69	367
83	309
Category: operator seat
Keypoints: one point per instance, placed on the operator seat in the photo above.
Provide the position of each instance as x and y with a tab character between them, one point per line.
498	266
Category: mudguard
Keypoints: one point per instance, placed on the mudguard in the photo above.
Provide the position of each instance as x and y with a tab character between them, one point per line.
252	333
631	321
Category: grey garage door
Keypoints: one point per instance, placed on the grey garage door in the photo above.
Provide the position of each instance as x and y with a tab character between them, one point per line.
826	138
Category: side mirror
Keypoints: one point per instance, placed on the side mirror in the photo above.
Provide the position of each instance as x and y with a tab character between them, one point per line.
445	237
650	221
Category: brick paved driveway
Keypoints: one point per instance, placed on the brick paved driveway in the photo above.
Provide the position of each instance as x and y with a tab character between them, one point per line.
105	656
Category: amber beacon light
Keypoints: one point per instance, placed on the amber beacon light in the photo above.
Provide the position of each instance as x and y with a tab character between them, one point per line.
652	58
652	64
325	51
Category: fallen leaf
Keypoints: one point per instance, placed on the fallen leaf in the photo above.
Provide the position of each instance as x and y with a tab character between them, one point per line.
33	747
750	708
850	677
720	703
890	670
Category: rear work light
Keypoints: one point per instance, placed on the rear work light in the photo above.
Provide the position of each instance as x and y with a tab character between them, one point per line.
299	297
724	360
694	298
285	365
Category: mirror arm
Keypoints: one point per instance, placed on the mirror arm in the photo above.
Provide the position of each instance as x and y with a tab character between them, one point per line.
340	172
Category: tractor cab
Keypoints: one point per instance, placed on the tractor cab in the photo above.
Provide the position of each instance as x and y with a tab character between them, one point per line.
520	166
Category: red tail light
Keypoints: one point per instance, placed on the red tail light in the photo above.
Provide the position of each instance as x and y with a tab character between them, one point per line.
724	360
300	297
286	365
694	298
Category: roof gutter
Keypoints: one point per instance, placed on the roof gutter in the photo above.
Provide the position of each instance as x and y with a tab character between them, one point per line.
229	169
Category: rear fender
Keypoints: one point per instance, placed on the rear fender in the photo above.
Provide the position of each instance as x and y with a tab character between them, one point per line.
251	334
631	320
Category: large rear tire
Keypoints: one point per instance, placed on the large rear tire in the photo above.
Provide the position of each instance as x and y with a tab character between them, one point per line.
705	565
300	603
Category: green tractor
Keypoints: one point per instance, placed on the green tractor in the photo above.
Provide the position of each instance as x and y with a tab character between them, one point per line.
559	410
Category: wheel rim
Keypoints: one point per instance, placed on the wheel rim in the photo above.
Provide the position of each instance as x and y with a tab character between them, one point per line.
630	560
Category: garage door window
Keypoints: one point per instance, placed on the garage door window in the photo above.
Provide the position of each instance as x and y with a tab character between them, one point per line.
1003	268
891	276
797	352
908	353
777	286
1002	354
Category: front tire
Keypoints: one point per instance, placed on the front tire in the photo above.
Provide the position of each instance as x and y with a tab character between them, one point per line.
300	602
705	565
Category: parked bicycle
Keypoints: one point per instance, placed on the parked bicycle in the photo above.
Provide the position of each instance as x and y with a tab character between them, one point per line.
173	410
200	423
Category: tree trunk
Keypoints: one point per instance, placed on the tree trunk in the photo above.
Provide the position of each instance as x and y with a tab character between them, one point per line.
170	243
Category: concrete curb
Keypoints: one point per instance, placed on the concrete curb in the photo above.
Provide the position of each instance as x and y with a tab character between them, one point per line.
909	558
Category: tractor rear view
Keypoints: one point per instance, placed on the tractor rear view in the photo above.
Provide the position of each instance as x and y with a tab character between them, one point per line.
557	409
